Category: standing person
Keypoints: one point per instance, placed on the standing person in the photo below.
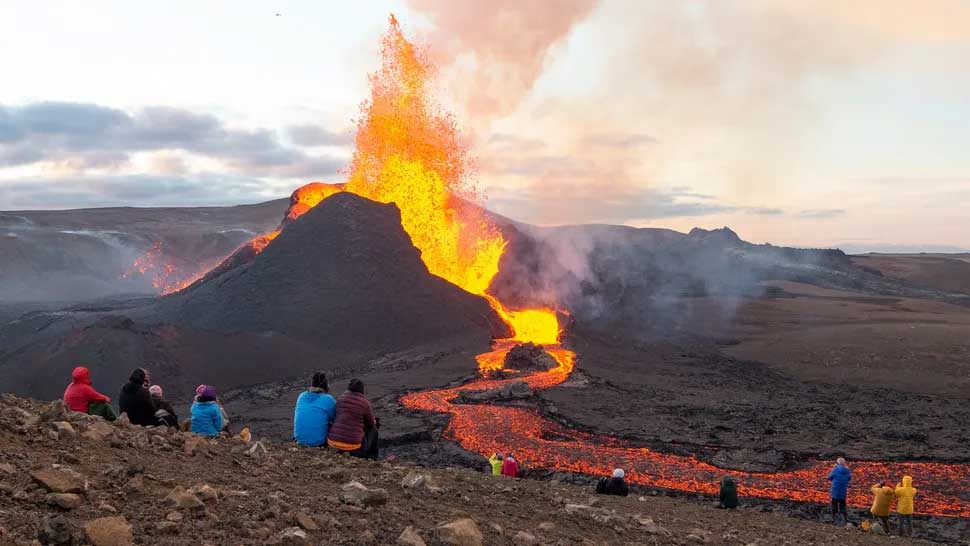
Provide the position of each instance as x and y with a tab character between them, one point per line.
728	496
354	428
81	397
840	476
314	413
495	462
510	468
206	414
136	401
882	501
164	411
905	493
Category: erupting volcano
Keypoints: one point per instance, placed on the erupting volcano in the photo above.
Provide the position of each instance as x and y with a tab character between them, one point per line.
410	153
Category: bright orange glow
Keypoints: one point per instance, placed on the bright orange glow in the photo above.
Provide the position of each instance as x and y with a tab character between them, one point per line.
162	269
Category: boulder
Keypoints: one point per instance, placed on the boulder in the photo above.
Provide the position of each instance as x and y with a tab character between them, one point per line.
529	356
294	536
59	480
414	480
358	494
525	539
305	522
54	530
110	531
180	498
410	537
64	429
515	390
462	532
205	493
166	528
67	501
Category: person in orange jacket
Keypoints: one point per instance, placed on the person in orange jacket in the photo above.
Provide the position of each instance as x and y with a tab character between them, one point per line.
905	493
882	501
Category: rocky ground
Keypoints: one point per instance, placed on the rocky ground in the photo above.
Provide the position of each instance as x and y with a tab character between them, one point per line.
71	479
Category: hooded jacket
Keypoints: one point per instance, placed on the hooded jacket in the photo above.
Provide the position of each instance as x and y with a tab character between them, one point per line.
905	493
353	416
510	468
728	493
496	463
882	500
80	394
840	477
206	418
312	417
136	401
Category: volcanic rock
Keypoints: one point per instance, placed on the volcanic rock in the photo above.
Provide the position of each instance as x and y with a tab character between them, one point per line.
294	536
180	498
529	356
512	391
358	494
525	539
54	530
410	537
462	532
58	480
64	429
110	531
67	501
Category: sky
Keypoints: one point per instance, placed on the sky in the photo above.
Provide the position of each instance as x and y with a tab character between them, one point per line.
798	123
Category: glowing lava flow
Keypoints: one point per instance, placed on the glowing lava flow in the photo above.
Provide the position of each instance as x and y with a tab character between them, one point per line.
541	443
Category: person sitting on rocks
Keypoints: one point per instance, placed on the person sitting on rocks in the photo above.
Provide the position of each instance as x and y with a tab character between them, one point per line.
164	411
81	397
728	496
354	427
905	493
222	409
510	468
495	463
840	477
136	401
613	486
882	500
206	413
314	413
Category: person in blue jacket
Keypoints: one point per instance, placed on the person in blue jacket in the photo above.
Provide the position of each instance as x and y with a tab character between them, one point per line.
206	413
840	477
314	413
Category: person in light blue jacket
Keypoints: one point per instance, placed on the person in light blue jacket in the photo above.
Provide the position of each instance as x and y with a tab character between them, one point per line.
206	413
314	413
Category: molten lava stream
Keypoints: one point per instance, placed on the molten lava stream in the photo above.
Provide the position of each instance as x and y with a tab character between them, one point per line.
541	443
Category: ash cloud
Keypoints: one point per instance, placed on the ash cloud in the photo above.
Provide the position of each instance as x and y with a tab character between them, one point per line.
501	47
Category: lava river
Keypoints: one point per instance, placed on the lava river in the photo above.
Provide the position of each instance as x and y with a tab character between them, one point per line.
541	443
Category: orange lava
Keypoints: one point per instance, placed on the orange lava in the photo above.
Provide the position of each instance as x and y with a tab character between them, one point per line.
541	443
165	275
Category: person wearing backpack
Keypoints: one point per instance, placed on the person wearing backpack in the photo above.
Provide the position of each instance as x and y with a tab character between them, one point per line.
728	494
613	486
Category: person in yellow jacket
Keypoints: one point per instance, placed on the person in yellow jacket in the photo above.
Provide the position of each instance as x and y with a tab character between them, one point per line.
905	493
496	460
882	501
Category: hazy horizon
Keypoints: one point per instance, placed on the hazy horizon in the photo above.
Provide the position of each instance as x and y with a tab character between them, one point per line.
797	124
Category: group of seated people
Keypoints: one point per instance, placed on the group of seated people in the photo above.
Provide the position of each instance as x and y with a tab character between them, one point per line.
145	405
346	424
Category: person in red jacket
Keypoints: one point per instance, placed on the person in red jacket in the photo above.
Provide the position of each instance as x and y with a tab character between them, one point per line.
81	397
511	467
354	428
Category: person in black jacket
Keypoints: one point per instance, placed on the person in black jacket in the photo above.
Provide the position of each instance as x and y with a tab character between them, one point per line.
728	495
136	401
613	486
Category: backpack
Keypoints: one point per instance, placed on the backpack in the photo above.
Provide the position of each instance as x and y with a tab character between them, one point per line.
601	486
